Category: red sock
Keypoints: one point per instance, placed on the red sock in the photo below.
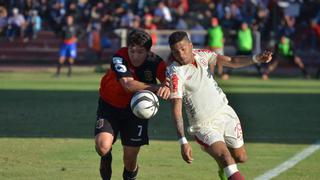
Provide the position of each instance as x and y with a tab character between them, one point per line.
236	176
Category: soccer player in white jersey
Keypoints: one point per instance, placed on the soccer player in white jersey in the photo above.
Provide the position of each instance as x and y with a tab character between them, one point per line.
213	123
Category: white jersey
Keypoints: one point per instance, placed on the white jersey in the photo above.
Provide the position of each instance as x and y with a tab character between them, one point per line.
194	83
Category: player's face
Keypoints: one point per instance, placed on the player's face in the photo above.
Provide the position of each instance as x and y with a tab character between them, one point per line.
182	52
137	55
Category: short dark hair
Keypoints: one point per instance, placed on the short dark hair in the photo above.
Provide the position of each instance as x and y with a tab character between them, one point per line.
139	37
177	37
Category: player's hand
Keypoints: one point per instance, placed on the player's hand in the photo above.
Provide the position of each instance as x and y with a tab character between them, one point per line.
163	92
186	153
167	82
265	57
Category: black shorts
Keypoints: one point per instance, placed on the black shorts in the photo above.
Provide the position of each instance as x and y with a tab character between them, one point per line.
289	59
133	131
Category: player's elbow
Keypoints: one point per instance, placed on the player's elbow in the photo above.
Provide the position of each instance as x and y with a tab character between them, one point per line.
129	86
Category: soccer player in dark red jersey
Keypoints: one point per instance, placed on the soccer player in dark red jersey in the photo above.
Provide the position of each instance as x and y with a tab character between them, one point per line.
133	68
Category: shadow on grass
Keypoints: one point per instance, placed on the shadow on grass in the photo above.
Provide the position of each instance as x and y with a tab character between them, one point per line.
275	118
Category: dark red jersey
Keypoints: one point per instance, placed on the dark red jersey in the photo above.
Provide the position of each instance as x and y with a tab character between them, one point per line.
111	90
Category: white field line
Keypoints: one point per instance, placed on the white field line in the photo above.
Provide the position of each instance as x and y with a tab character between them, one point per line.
290	162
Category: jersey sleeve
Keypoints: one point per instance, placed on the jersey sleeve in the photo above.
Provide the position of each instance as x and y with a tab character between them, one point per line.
176	82
120	67
161	71
212	57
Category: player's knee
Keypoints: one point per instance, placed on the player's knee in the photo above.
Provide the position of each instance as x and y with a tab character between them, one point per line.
241	158
103	148
224	158
71	61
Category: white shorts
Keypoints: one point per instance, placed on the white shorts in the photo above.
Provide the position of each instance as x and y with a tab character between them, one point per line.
224	126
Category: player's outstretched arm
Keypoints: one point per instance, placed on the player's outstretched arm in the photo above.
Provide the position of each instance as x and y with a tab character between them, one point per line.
176	108
131	85
242	61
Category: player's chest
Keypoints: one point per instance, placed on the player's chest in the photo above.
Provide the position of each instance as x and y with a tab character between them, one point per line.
145	74
195	77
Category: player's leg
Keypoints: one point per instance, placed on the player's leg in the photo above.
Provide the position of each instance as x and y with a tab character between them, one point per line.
130	154
233	136
134	134
72	57
59	65
62	58
106	130
221	154
103	147
239	154
213	143
297	60
70	63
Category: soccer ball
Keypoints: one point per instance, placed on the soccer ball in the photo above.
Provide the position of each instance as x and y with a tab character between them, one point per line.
144	104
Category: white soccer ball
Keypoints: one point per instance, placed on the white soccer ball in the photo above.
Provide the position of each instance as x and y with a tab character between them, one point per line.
144	104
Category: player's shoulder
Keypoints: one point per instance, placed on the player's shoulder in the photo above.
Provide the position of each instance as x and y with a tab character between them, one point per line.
203	52
120	56
153	57
174	67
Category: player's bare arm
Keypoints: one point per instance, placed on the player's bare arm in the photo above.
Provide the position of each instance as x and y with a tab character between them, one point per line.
242	61
131	85
186	151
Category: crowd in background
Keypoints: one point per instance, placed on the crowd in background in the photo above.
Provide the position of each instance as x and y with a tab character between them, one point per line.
273	17
297	20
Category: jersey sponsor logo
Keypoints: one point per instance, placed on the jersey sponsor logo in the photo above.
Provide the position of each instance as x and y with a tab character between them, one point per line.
120	68
238	130
148	75
117	60
100	123
175	82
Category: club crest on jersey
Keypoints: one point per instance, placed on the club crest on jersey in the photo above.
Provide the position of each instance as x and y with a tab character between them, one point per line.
203	62
117	60
148	75
99	123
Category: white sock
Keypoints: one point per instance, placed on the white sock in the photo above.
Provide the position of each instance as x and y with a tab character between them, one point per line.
231	169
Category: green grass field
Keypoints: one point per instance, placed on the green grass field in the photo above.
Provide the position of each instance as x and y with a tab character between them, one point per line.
46	129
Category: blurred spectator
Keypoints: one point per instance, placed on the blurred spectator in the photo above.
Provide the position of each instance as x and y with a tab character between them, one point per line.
149	25
127	19
216	42
181	22
94	39
68	49
33	25
163	15
256	35
315	34
244	40
136	24
197	39
228	23
3	20
284	51
287	27
56	15
244	45
16	25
